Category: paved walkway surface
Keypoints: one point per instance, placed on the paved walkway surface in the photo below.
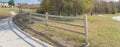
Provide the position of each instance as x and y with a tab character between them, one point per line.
12	36
116	18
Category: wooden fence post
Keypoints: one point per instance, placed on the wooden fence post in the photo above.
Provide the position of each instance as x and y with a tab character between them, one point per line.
30	18
86	30
46	21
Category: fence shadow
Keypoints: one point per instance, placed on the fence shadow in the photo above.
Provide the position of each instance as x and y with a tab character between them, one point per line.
24	26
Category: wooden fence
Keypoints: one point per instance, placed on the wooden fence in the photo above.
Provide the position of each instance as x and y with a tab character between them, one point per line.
47	20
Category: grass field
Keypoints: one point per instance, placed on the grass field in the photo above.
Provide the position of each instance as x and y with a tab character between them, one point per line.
103	32
5	12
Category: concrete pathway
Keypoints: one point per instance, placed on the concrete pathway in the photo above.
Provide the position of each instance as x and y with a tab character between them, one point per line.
12	36
116	18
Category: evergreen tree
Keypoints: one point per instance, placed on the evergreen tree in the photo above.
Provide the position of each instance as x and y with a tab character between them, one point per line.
11	3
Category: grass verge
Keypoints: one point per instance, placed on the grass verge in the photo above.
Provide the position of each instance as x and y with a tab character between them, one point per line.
5	12
103	32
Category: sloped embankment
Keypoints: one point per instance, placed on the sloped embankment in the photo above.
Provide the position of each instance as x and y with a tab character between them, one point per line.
103	32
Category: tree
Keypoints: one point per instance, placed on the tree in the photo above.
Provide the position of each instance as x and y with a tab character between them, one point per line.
27	6
118	6
66	7
11	3
105	7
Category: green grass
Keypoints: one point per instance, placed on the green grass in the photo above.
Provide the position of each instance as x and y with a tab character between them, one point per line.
103	32
7	10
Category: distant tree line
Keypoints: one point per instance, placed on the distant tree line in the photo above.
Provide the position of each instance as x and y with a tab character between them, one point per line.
27	6
105	7
77	7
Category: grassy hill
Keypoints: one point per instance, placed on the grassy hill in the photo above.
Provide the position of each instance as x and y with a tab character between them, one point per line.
103	32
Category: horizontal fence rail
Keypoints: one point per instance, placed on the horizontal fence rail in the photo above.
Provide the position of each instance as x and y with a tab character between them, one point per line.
36	17
39	18
73	18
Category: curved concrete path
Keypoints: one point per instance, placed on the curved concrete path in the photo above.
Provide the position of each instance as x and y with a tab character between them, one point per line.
12	36
116	18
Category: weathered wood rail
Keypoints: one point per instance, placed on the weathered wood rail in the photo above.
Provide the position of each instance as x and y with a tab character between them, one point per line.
45	17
